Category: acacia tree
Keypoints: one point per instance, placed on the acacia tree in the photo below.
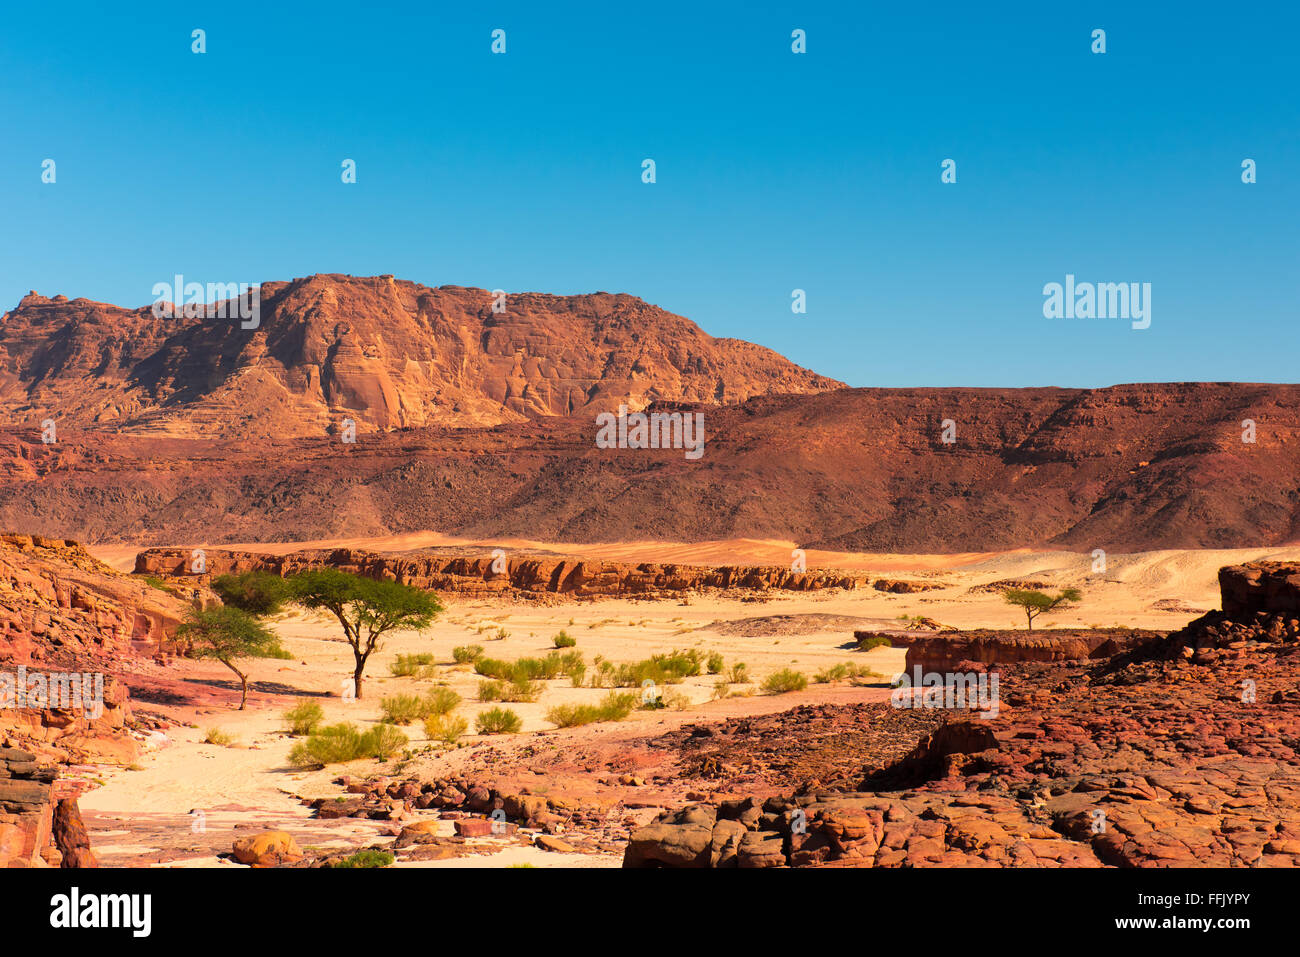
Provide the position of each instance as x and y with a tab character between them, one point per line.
367	609
1036	602
229	635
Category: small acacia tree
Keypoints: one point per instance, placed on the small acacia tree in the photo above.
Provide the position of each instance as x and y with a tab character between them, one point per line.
229	635
367	609
1036	602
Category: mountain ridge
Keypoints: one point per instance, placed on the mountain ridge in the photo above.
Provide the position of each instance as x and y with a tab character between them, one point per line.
384	352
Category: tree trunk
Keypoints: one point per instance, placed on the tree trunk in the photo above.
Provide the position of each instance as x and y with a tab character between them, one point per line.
243	682
356	676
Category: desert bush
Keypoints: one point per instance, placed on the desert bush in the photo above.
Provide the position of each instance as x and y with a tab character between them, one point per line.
464	654
445	729
407	666
258	593
564	640
491	689
304	718
498	721
615	707
218	737
403	708
367	858
331	744
715	664
382	742
721	689
531	669
873	641
520	688
739	673
442	701
780	682
337	743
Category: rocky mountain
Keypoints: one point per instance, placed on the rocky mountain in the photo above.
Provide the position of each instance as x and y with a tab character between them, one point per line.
1124	468
384	352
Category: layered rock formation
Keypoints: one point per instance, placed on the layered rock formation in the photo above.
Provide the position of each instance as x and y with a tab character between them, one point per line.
1125	468
385	352
517	577
956	650
64	613
38	828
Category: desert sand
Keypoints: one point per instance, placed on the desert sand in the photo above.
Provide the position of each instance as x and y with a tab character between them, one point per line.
146	815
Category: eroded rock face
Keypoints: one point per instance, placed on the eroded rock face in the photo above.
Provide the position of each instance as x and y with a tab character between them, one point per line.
949	651
1268	587
38	826
64	613
385	352
519	576
54	594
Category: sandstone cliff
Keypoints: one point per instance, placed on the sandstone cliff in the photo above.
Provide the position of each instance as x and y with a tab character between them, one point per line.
385	352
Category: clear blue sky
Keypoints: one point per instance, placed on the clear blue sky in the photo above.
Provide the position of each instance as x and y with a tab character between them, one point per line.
775	171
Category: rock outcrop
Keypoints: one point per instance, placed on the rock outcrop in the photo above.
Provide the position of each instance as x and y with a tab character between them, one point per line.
67	615
950	651
1271	588
38	828
517	576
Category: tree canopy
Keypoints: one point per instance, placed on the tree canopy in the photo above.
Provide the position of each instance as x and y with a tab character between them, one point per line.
366	608
1036	603
229	635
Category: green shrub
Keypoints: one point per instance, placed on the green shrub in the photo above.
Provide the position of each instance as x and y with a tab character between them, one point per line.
531	669
873	641
615	707
331	744
491	689
442	701
670	668
218	737
564	640
739	673
406	666
304	718
382	742
337	743
403	708
715	664
520	689
258	593
498	721
445	729
367	858
464	654
780	682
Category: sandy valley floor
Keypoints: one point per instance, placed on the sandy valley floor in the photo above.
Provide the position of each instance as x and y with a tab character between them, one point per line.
151	814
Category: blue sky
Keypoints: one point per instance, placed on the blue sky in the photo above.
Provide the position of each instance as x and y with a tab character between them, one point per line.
775	171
